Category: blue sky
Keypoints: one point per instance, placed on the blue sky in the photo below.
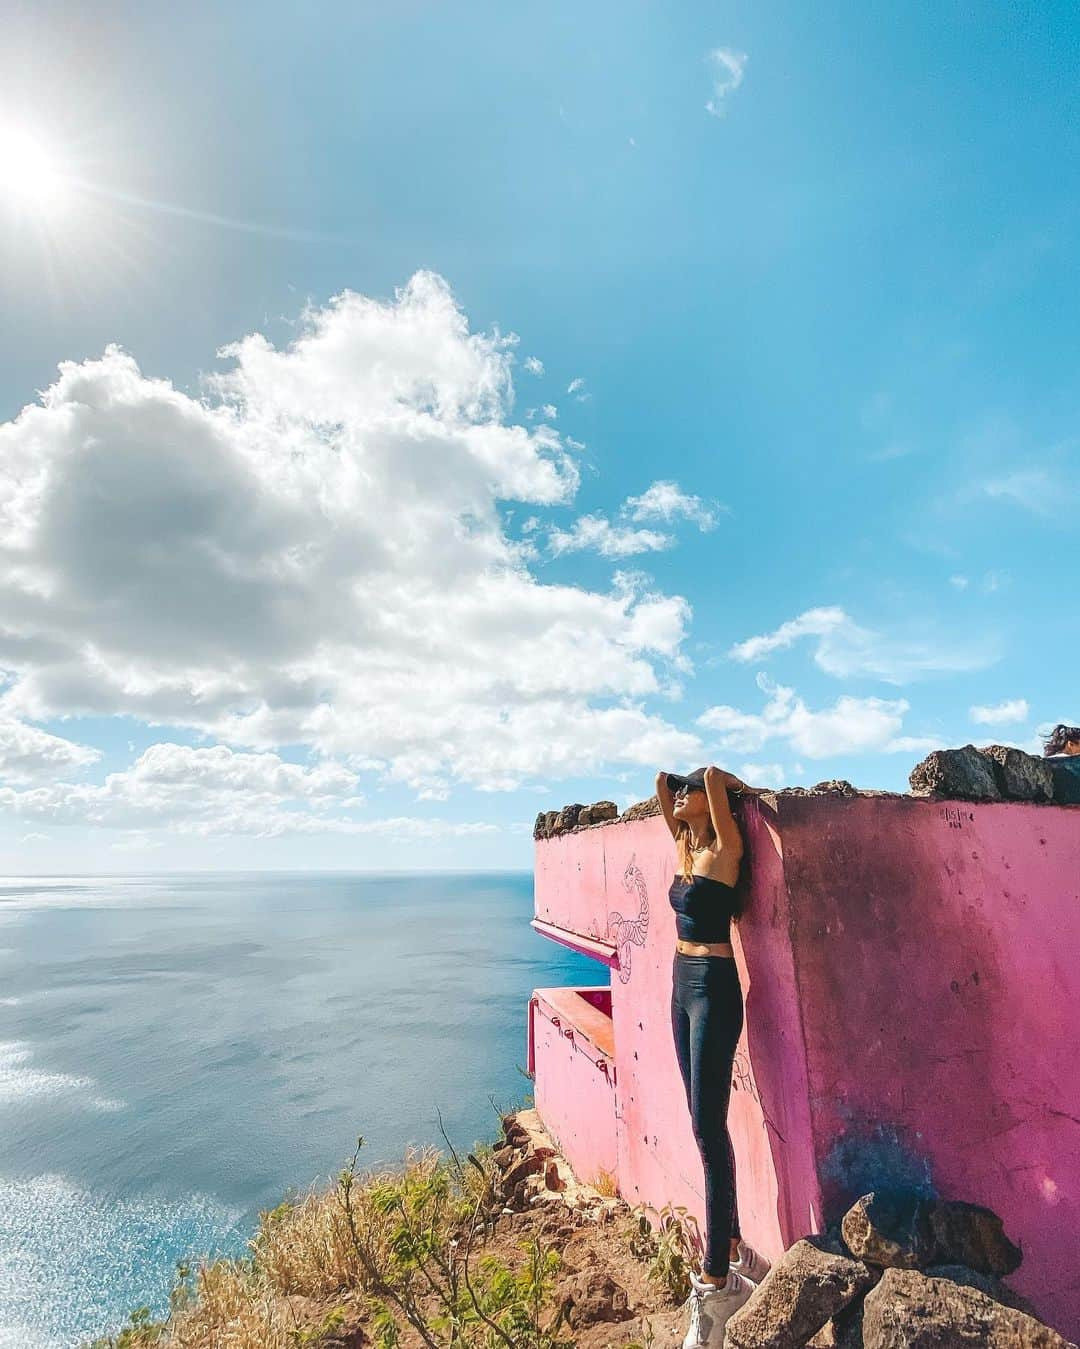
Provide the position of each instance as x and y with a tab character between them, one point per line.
730	418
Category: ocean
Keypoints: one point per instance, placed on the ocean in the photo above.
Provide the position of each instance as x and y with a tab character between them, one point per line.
178	1052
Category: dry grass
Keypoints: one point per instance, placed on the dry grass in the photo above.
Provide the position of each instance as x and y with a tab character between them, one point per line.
387	1248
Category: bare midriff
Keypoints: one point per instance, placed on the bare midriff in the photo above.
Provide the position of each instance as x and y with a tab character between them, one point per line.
704	948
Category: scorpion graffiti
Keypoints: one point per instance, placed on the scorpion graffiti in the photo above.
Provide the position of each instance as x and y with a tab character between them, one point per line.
628	932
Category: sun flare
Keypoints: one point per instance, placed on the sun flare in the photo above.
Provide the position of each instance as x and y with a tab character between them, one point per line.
31	174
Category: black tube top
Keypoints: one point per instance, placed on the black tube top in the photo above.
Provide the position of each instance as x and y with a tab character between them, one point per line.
703	908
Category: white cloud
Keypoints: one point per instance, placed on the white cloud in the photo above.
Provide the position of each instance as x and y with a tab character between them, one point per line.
534	365
28	754
728	67
550	411
597	532
216	791
1034	489
762	774
315	554
849	726
576	385
666	501
1001	714
959	582
661	501
843	648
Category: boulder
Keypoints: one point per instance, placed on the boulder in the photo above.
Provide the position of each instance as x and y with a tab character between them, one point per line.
985	1283
528	1165
593	1296
907	1310
567	818
890	1228
502	1157
540	827
843	1331
603	810
1065	770
550	817
962	773
810	1283
1020	776
968	1234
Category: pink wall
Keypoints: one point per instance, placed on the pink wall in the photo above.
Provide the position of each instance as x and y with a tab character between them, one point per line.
938	957
912	980
575	1091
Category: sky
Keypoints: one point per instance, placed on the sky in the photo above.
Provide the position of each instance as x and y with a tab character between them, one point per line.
415	417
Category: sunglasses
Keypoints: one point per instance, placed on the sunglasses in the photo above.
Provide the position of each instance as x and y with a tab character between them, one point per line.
685	791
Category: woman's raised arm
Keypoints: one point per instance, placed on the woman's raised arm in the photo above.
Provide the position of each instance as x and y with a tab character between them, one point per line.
725	826
663	795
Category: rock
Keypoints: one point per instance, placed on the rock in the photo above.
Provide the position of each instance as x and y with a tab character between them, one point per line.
540	827
502	1157
968	1234
843	1331
553	1179
963	773
835	787
642	810
985	1283
1020	776
907	1310
889	1227
604	810
1065	770
810	1283
585	818
515	1133
550	817
529	1165
593	1296
567	818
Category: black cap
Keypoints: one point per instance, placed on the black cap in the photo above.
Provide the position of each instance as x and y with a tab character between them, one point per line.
695	780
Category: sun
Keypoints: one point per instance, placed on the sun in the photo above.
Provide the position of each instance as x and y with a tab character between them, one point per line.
31	175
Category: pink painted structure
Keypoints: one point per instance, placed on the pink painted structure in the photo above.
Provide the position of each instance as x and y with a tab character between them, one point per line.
912	979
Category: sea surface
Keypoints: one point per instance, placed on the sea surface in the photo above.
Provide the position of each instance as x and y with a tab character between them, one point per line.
178	1052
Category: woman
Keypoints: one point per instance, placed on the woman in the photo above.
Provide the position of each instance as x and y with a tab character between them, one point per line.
707	1019
1062	740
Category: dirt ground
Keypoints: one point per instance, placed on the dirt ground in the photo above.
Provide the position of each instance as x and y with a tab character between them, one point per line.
592	1233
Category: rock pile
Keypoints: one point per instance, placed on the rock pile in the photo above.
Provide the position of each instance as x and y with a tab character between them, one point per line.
902	1272
550	823
996	773
533	1171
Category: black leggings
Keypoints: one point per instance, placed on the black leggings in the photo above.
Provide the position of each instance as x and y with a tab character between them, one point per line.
707	1019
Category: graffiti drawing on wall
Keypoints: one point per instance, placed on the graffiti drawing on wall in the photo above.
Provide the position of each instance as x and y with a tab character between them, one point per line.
628	932
742	1079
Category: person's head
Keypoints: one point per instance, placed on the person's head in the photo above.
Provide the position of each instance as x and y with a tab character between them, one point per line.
1062	740
693	819
689	804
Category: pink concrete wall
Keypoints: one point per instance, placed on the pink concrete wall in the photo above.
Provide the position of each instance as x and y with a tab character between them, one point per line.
937	950
575	1090
912	978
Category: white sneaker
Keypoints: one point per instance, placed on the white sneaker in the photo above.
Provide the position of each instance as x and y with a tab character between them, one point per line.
711	1307
750	1265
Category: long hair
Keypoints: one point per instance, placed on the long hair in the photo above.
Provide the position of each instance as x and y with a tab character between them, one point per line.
686	863
1059	737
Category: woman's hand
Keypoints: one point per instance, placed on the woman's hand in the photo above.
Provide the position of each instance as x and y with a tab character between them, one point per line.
729	780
